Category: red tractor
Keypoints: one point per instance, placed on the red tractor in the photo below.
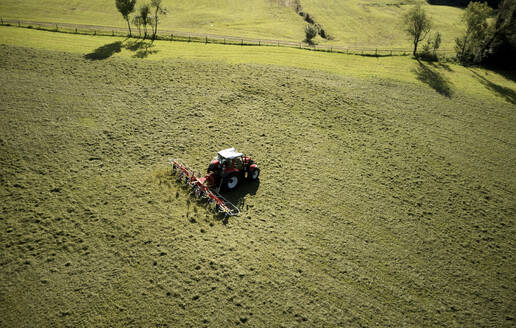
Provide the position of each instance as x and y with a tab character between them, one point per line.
229	168
225	171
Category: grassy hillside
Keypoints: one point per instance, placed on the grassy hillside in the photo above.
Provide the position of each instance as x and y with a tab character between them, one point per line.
249	18
355	23
379	23
380	202
443	78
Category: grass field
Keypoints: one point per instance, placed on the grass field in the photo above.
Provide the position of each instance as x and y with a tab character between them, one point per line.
355	23
379	23
384	200
248	18
444	78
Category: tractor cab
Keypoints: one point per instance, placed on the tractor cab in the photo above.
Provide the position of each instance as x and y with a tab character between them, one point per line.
230	167
230	159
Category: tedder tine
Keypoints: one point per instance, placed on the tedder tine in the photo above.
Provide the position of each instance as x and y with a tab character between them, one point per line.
201	190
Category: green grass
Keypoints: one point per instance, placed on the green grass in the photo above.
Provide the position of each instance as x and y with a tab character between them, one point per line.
355	23
381	202
361	23
257	18
445	78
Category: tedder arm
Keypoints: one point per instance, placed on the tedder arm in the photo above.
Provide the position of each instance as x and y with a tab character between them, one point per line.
201	188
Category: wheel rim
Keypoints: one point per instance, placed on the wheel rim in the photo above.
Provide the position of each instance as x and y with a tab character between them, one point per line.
232	182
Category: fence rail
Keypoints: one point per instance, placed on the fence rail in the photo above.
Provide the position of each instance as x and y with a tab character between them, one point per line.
207	38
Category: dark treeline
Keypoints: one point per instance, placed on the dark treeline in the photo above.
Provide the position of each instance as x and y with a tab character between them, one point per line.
500	45
463	3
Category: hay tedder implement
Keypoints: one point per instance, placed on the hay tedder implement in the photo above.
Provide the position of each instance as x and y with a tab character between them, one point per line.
224	172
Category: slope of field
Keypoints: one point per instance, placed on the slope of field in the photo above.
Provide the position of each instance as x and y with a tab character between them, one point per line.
355	23
380	202
443	78
248	18
379	23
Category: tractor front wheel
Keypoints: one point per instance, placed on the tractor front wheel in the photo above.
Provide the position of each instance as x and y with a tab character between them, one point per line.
231	182
255	174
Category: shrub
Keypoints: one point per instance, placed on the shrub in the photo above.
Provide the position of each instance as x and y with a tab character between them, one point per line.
310	32
470	45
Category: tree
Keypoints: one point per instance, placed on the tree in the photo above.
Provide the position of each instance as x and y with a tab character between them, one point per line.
310	32
471	44
145	17
137	21
433	43
417	25
126	7
500	49
436	43
158	10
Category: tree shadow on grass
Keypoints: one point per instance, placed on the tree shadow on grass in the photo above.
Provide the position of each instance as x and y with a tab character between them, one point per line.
508	74
141	48
507	93
439	64
105	51
434	79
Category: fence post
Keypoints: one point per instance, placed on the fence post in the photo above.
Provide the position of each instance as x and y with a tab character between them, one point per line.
112	33
224	40
172	37
57	27
206	39
2	20
278	43
259	43
94	32
331	49
242	42
391	52
376	52
189	38
76	30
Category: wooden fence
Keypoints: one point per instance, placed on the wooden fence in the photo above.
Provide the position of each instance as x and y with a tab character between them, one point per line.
207	38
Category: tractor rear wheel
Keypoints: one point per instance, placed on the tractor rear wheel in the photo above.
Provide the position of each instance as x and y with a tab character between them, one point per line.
231	181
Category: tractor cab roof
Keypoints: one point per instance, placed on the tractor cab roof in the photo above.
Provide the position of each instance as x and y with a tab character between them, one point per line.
229	153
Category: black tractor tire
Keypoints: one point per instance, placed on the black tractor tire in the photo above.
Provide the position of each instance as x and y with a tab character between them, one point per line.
231	181
254	175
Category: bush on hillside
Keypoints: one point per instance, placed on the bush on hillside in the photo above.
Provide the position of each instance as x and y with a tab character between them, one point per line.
500	47
430	48
471	44
310	32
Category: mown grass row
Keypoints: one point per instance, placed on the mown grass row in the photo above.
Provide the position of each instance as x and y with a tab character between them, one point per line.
379	201
445	78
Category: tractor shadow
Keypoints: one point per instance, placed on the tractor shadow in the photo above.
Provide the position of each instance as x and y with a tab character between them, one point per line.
238	196
434	79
